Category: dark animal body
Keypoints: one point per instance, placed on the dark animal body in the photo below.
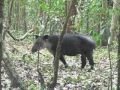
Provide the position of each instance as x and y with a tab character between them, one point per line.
72	44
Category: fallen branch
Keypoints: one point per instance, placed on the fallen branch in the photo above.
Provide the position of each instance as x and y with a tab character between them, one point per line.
21	38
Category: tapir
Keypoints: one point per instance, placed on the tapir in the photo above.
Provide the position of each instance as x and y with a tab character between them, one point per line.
72	45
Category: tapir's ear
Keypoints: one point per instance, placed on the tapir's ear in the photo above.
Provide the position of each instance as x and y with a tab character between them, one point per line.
36	36
45	37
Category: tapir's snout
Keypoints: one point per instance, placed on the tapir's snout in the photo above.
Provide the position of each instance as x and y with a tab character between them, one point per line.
33	50
39	44
36	47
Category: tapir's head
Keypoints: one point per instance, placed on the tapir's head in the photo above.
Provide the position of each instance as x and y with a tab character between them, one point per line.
40	43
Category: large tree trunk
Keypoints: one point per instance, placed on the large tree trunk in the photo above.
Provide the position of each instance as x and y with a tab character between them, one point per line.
115	24
1	30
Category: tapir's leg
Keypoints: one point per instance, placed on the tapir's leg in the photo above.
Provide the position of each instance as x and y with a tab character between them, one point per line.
83	60
90	58
62	59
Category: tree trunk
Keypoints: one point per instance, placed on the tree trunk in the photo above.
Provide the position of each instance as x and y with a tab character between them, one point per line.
118	85
70	24
57	55
104	26
118	63
114	21
13	76
24	18
115	24
87	17
1	30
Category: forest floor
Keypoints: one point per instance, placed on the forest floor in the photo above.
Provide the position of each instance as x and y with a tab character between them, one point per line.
71	78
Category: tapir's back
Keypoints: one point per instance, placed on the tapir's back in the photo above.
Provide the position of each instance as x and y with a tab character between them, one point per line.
72	44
